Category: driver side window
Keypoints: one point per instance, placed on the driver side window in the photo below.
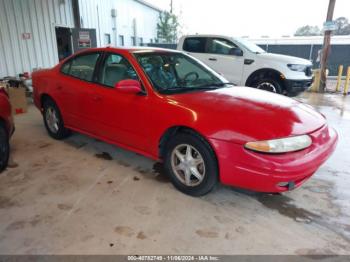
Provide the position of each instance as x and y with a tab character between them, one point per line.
114	69
220	46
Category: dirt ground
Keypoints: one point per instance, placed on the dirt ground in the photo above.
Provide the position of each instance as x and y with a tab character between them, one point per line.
83	196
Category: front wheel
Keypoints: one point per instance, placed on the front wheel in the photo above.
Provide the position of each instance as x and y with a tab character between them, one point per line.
4	148
191	164
53	120
269	84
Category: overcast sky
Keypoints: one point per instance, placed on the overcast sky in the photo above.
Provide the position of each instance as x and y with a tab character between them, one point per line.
253	18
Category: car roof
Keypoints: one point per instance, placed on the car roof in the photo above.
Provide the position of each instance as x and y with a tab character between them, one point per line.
208	35
136	49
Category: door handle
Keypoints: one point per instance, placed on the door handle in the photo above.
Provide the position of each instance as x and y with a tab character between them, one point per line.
213	59
59	87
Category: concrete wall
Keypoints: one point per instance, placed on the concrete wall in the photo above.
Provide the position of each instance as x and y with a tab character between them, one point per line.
38	18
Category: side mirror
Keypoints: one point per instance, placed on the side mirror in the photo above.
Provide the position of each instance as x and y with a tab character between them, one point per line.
236	51
129	86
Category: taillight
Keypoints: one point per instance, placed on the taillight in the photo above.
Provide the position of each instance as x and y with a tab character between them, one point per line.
3	91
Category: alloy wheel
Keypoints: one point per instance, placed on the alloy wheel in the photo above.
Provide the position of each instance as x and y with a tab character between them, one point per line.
52	119
188	165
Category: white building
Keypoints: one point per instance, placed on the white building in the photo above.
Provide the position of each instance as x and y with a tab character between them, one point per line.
36	34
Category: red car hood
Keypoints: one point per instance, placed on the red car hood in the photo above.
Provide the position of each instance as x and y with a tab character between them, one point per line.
242	114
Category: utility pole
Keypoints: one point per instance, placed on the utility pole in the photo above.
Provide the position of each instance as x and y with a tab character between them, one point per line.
326	47
171	6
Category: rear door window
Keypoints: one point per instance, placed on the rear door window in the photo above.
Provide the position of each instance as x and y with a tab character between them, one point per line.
82	66
65	68
195	44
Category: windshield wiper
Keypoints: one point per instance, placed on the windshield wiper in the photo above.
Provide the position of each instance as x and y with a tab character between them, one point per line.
199	88
187	89
227	83
215	85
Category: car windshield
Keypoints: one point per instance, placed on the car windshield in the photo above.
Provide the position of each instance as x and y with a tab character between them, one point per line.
250	46
177	72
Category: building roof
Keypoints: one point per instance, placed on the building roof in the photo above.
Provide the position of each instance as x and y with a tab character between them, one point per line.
301	40
149	5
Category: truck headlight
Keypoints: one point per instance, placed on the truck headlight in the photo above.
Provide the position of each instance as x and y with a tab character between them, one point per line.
296	67
281	145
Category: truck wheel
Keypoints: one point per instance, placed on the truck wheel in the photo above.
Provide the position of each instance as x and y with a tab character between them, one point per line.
269	84
4	148
191	164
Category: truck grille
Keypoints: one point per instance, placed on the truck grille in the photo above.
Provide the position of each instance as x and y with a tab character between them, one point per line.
308	71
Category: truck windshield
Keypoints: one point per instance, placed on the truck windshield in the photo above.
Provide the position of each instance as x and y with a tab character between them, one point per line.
176	72
250	46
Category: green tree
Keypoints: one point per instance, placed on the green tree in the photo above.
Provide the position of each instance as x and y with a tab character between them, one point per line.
167	27
343	26
308	30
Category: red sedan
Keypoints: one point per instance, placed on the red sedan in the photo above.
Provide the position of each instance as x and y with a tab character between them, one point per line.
169	106
6	128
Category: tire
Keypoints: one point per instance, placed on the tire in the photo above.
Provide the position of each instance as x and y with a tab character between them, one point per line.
4	148
269	84
53	120
200	162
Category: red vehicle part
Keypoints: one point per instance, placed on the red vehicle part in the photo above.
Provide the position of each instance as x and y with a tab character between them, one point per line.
5	112
225	119
6	128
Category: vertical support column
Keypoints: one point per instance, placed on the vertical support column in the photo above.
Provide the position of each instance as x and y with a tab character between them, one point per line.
311	51
326	47
76	13
114	26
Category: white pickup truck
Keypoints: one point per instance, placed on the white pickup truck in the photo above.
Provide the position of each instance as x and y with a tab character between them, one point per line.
246	64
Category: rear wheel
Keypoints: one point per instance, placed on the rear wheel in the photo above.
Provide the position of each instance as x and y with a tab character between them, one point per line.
53	120
4	148
269	84
191	164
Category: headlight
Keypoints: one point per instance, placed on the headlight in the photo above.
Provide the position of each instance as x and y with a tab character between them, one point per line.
295	67
282	145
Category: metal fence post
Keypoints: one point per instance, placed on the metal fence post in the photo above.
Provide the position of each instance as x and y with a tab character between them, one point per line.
346	86
316	83
340	74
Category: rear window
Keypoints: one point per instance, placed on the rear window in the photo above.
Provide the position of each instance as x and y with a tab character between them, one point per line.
65	68
195	44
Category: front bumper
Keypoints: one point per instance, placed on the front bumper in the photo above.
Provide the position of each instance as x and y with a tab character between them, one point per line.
265	172
295	87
